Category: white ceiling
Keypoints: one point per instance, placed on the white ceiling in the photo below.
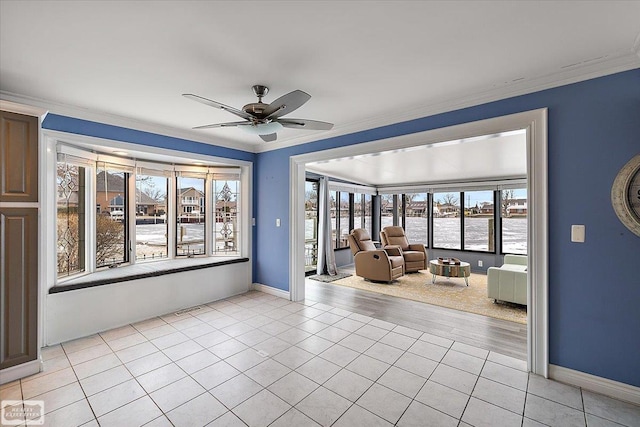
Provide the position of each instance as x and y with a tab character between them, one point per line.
490	157
365	64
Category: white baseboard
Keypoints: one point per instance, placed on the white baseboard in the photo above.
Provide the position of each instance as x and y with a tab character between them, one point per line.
271	290
596	384
20	371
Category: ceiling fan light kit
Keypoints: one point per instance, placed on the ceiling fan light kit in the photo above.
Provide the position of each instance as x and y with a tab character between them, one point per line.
264	119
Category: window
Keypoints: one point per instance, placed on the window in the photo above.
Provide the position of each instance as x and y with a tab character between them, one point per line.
151	217
344	220
446	221
362	211
513	209
368	213
190	217
111	221
110	214
311	225
226	226
386	210
70	182
416	217
479	221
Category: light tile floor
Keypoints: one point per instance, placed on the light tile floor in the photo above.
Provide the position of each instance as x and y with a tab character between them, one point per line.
259	360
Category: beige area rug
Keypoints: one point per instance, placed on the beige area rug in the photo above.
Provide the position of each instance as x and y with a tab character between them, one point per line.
446	292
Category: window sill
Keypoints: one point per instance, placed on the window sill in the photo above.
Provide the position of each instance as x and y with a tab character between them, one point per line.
142	271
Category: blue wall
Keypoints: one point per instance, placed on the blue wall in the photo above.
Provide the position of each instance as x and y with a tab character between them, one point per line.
594	287
116	133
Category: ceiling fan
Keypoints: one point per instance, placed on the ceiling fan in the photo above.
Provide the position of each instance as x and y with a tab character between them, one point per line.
265	119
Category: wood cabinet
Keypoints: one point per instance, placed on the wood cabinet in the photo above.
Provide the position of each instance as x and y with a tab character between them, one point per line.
18	240
19	158
18	285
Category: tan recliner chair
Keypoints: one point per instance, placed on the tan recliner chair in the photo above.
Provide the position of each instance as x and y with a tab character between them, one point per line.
375	264
415	255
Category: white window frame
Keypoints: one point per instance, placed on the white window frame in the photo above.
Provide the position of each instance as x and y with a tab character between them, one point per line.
81	146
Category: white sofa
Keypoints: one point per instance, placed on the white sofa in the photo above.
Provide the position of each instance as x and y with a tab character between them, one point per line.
509	282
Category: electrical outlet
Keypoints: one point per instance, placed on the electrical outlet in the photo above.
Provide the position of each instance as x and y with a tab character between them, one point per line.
479	263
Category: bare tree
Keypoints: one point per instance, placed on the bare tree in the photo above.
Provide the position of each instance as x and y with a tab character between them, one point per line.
506	198
148	186
109	240
449	199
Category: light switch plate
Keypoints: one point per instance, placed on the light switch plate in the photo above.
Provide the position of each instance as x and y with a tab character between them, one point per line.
577	233
277	222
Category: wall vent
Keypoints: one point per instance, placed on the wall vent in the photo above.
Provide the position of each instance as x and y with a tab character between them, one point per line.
188	310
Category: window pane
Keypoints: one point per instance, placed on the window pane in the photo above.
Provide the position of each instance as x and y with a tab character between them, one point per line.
111	218
190	216
151	224
70	219
358	211
226	227
513	208
367	213
333	195
386	210
446	220
416	217
310	225
343	232
479	224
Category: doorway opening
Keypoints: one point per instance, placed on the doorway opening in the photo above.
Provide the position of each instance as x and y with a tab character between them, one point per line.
535	125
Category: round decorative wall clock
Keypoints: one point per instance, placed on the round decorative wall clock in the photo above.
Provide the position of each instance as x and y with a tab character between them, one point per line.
625	195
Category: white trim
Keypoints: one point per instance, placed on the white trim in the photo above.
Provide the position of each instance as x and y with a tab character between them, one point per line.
458	186
296	229
352	188
38	104
536	124
538	250
270	290
20	371
175	155
596	384
27	110
612	64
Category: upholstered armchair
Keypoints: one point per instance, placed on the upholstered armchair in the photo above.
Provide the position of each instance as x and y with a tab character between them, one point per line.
415	255
375	264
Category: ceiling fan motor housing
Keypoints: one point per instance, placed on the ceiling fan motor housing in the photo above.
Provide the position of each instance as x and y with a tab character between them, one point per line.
255	108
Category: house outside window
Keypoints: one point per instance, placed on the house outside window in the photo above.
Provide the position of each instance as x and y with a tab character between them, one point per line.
111	223
446	221
513	208
151	219
190	221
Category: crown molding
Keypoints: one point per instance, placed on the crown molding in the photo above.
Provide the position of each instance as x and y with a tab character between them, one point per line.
586	70
19	108
36	104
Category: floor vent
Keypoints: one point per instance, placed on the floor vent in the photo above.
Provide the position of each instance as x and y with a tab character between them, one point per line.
187	310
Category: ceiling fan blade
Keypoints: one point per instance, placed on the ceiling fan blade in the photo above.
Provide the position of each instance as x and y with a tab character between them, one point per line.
269	137
223	125
305	124
215	104
286	104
